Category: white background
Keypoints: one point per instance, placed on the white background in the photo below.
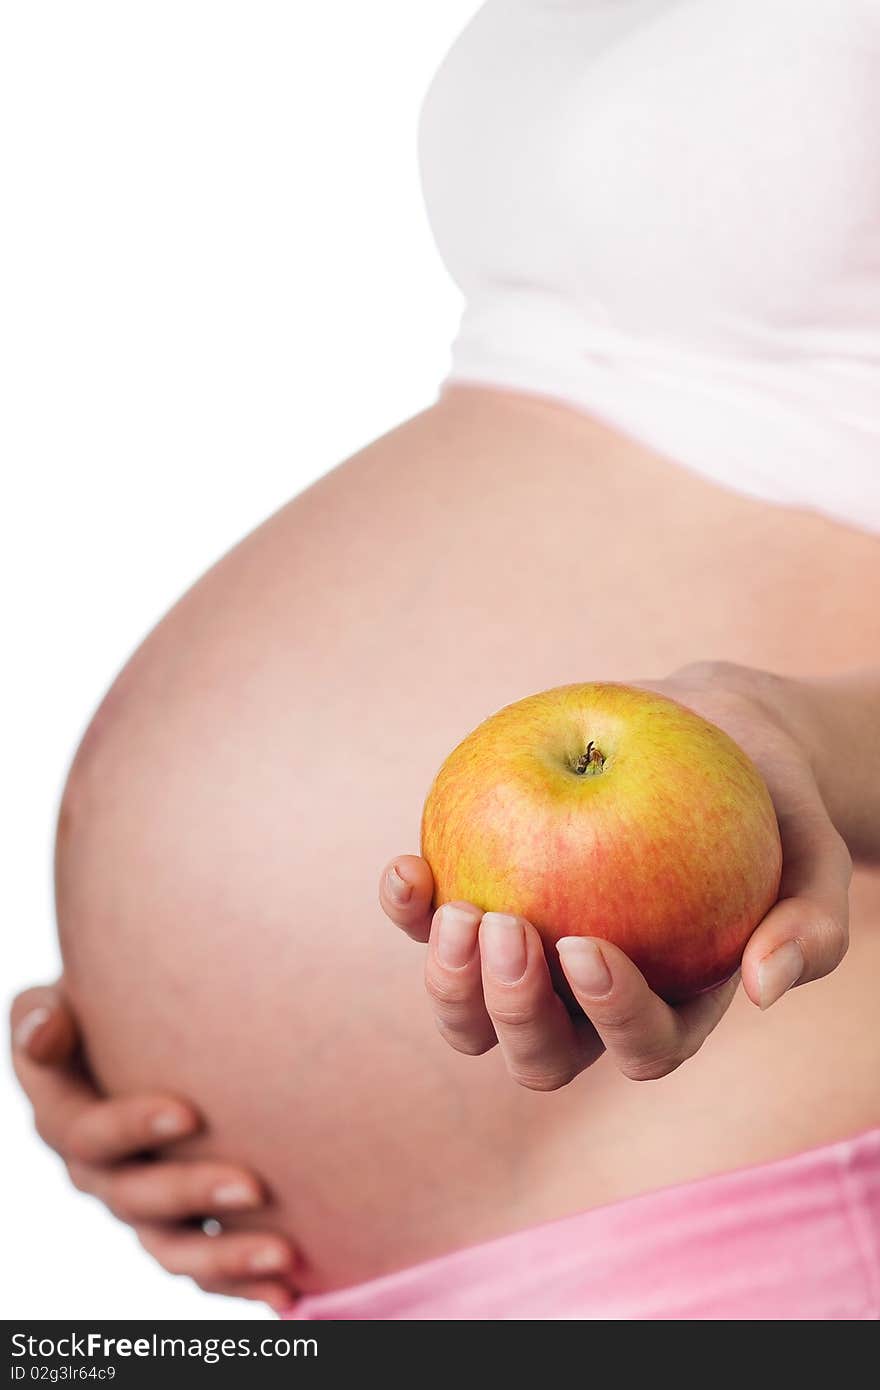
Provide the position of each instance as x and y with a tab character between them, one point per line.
216	281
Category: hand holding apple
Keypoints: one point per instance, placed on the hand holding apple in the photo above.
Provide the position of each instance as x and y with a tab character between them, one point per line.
487	972
608	811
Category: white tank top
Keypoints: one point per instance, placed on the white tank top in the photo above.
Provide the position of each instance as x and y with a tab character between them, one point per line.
667	213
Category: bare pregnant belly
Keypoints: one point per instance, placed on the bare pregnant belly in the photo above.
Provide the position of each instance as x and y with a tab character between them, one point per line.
269	747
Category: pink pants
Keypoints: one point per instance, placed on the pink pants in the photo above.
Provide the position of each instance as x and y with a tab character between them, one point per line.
796	1239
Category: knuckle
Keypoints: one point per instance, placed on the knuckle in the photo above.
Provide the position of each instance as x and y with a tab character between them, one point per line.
147	1241
703	670
733	689
448	993
652	1068
518	1011
209	1285
843	856
829	938
416	929
44	1131
118	1206
617	1018
460	1019
551	1080
725	677
69	1138
512	1018
130	1125
229	1263
159	1250
78	1177
124	1196
76	1142
471	1044
169	1255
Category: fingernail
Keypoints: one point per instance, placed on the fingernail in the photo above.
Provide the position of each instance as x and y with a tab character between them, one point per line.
503	940
779	971
263	1261
399	890
169	1123
29	1025
585	966
234	1194
456	936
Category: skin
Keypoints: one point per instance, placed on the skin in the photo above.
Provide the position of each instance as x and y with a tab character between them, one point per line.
271	744
488	978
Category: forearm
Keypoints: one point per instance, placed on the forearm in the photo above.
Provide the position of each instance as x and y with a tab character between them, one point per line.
838	720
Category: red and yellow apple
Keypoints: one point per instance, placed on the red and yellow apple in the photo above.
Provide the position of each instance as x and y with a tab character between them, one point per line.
603	810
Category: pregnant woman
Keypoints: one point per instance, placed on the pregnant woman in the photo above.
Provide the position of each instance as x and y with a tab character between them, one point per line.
657	451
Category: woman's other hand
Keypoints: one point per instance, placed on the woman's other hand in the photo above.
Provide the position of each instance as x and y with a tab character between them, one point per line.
121	1151
486	973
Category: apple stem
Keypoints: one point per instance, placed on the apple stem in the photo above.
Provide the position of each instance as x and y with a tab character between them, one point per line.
590	762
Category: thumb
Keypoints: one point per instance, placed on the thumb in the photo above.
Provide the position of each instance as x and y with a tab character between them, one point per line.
806	934
43	1026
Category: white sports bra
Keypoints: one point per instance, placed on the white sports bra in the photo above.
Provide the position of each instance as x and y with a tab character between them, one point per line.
667	213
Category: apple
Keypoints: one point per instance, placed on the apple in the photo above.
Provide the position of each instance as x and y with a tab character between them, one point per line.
603	810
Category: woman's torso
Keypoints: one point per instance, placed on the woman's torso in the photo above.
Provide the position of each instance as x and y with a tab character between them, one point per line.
270	746
666	212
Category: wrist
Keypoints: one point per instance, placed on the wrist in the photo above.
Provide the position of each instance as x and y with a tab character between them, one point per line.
835	720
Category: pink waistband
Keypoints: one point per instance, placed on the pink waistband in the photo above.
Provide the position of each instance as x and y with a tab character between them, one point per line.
796	1239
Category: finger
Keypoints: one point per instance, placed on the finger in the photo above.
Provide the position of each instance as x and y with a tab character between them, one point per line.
58	1094
169	1191
279	1298
73	1119
233	1256
53	1081
806	934
406	889
647	1037
43	1026
542	1046
453	980
108	1130
69	1114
